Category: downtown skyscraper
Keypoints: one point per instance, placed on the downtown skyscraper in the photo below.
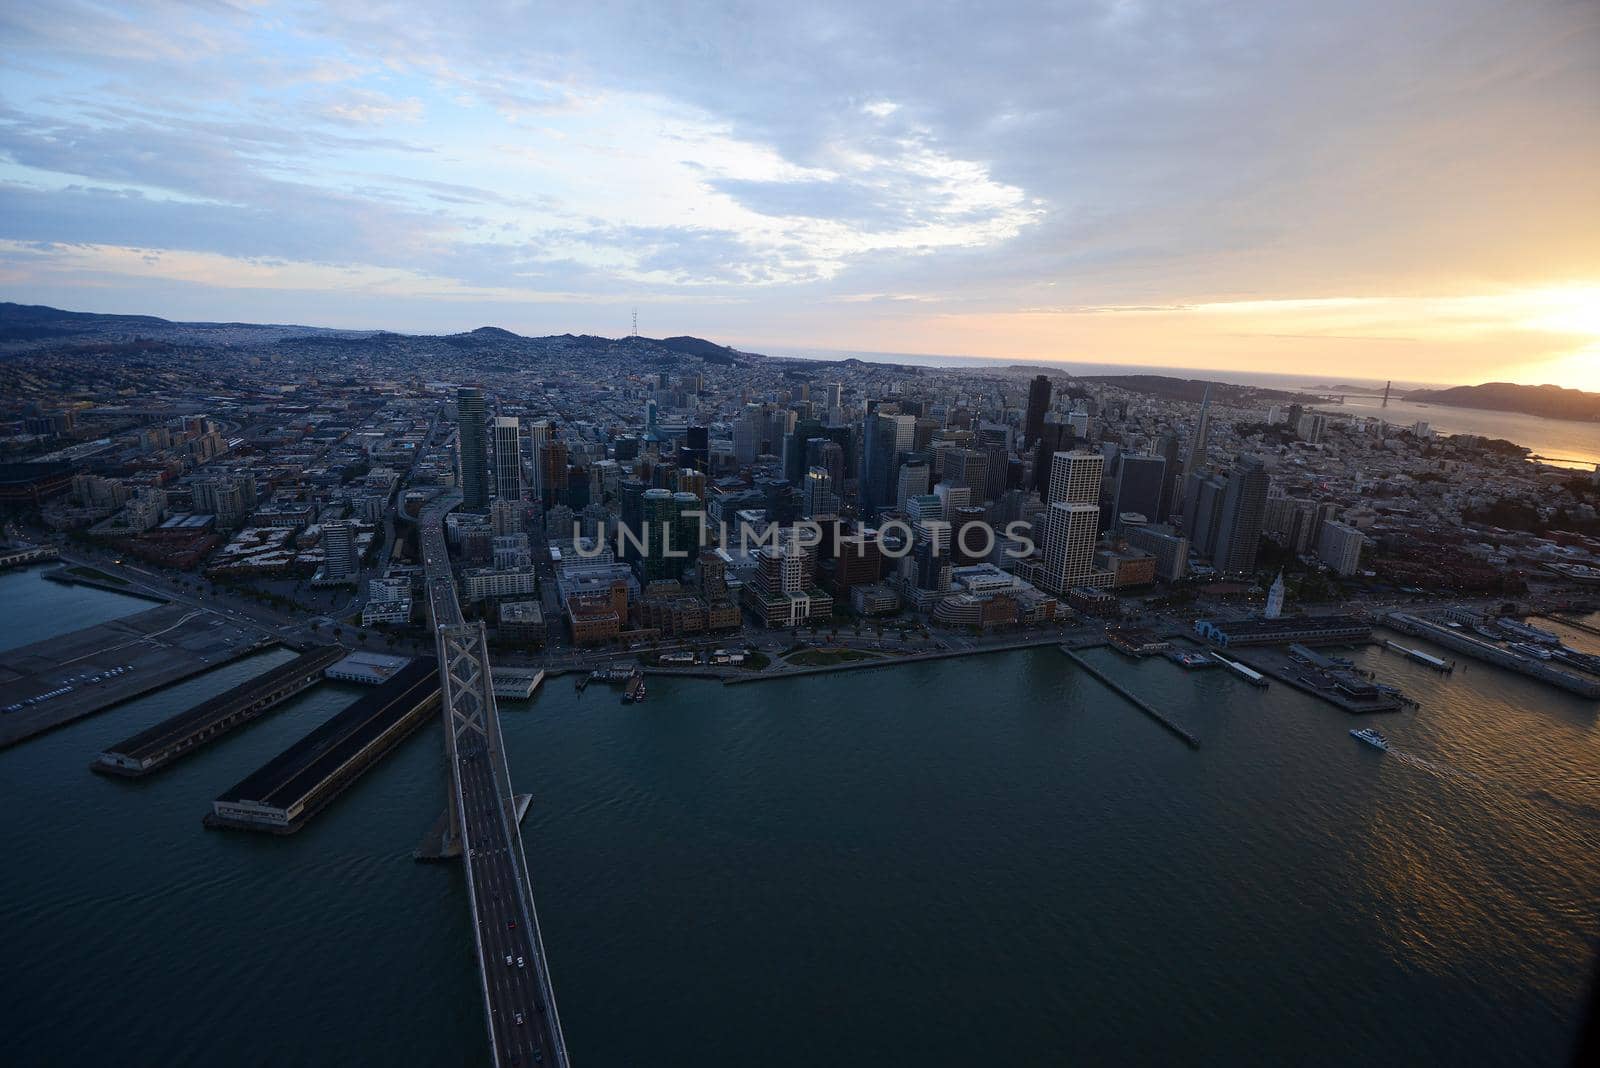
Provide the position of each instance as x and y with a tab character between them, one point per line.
472	450
508	458
1072	522
1244	511
1038	404
1197	445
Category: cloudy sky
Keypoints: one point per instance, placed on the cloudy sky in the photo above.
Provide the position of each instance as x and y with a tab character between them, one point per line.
1375	188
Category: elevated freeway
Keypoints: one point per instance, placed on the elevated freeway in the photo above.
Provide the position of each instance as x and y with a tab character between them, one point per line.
519	1001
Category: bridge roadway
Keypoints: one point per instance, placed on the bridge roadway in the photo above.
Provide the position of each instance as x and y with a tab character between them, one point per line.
519	1001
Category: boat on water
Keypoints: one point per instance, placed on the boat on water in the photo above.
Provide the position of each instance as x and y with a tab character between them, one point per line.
634	690
1372	736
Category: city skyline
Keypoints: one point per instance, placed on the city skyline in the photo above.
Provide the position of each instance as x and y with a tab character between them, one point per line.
1218	188
492	602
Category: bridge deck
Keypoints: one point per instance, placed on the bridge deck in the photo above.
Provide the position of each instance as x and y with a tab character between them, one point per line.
519	1001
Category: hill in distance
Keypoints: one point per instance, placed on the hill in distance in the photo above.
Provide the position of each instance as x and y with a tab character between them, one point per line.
26	327
1550	402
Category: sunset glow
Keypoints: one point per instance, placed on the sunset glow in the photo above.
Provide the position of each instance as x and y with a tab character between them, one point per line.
1154	195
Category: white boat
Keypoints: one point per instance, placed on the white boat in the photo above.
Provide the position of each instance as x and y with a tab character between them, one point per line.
1372	737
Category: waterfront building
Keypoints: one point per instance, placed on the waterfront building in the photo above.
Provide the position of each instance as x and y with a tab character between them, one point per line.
783	592
1275	598
1284	630
1072	522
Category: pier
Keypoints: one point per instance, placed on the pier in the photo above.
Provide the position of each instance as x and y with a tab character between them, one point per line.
517	683
1420	657
295	785
1493	654
1575	624
1248	674
153	749
1137	702
63	679
1332	680
32	554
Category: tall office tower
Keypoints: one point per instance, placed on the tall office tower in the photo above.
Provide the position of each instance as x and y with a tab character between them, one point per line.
820	499
689	532
339	550
747	431
794	448
967	468
1072	523
552	464
1141	482
695	453
999	463
905	432
820	452
1038	404
1244	509
953	496
630	514
1070	531
660	533
779	422
1197	447
846	438
539	432
835	396
911	481
1057	437
505	516
1202	511
922	507
508	458
928	566
879	461
1172	488
472	449
965	551
1075	478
